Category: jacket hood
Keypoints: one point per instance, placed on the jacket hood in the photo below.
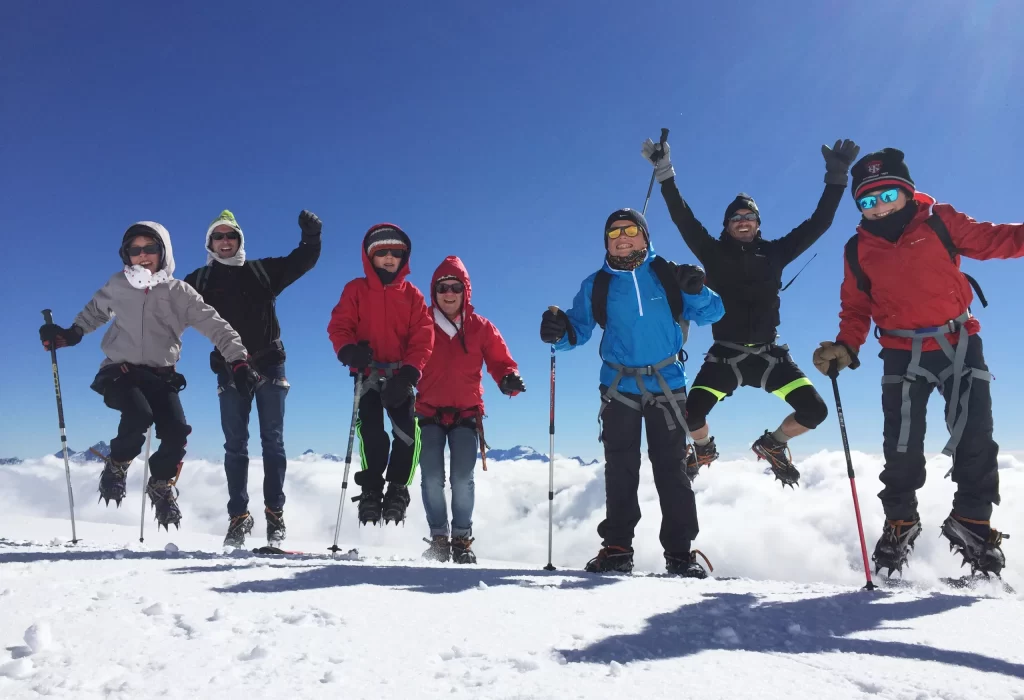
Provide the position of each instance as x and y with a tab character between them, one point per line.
152	229
370	270
226	218
452	266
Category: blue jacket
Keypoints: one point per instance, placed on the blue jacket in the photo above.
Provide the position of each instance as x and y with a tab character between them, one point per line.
640	329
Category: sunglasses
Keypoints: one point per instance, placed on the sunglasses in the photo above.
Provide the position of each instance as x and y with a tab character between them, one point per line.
631	231
230	235
871	200
455	287
136	250
743	217
384	252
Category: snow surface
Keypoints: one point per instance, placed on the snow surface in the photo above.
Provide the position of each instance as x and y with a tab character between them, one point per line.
177	616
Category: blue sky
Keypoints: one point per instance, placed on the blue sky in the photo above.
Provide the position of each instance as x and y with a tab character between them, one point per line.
504	133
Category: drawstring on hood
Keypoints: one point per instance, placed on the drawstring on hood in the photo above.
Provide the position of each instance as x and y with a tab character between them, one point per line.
138	276
226	218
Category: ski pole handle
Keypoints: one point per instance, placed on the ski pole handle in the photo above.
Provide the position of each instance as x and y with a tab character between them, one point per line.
659	153
554	309
664	137
833	369
48	316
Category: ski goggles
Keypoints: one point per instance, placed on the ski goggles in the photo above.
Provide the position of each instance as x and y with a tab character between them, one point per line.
230	235
751	216
384	252
455	287
137	250
871	201
631	231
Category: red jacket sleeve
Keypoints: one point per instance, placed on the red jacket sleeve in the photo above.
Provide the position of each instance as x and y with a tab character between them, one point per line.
345	317
982	240
854	312
496	355
421	332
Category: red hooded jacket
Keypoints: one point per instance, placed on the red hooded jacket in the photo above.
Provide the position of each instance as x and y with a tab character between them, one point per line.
914	284
394	318
452	378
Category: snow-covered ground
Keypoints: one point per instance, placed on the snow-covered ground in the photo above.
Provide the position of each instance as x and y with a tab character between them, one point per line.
114	618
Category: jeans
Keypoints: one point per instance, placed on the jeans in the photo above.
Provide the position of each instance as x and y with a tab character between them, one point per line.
462	443
234	419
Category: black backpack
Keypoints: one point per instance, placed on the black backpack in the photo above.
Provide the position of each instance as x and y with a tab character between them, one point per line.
203	276
935	224
663	271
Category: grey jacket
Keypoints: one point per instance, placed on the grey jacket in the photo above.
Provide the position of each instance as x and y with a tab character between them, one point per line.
148	323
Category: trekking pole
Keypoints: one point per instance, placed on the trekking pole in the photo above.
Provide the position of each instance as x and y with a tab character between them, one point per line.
833	372
348	461
657	156
145	479
48	317
551	456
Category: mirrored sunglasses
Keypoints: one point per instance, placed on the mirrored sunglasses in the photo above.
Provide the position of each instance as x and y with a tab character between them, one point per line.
751	216
871	201
631	231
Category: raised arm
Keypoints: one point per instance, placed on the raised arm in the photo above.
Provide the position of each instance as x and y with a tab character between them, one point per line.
282	271
694	234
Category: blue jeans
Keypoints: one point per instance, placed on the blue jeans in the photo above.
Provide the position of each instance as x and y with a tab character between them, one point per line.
462	443
234	419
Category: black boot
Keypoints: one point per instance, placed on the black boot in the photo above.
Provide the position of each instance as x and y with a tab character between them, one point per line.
612	559
112	481
276	531
698	456
893	547
238	527
440	548
685	564
461	553
164	496
976	542
777	455
369	505
396	500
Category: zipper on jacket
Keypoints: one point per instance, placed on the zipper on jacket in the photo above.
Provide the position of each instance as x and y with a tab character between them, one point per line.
142	338
636	286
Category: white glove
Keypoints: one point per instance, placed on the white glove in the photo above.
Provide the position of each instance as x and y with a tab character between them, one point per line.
663	169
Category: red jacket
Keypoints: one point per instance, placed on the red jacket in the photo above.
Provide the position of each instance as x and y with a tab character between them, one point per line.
913	282
393	317
452	378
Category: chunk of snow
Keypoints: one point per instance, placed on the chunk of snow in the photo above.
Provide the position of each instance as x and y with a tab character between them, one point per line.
170	548
154	609
38	637
17	669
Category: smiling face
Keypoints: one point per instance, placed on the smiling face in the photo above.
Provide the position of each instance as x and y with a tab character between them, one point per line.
385	259
624	245
448	300
150	261
743	230
884	209
225	247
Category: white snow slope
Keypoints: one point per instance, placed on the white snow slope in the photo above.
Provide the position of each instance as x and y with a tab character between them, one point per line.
113	618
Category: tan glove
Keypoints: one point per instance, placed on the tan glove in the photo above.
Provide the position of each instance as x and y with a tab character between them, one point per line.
829	351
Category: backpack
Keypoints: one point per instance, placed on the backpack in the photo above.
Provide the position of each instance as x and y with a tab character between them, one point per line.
663	271
937	225
256	266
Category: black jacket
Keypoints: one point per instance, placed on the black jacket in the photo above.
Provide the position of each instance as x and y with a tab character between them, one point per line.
748	276
244	302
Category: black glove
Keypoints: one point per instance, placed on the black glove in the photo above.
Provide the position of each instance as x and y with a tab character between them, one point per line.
511	384
246	378
357	357
398	389
310	224
838	160
690	278
553	325
53	335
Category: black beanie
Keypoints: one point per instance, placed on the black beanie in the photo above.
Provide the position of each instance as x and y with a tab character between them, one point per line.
140	230
880	170
627	215
742	201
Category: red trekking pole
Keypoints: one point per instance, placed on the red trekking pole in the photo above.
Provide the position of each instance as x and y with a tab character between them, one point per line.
833	372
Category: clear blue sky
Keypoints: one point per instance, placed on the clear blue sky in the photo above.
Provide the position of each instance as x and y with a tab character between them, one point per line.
503	133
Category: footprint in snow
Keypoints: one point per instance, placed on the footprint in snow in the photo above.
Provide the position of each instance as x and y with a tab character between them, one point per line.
217	616
329	677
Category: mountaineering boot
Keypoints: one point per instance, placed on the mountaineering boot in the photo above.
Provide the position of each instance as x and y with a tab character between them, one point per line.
369	505
238	527
164	496
685	564
698	456
461	553
894	545
276	530
440	548
112	480
611	559
777	455
396	500
976	542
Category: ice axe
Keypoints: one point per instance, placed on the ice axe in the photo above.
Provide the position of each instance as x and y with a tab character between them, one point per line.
656	156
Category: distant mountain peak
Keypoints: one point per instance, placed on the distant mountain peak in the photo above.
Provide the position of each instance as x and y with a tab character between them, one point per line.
329	456
525	452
